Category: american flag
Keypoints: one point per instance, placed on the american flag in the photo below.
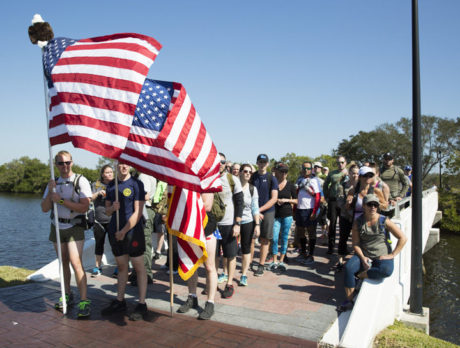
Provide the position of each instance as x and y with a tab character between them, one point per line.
94	85
168	140
186	220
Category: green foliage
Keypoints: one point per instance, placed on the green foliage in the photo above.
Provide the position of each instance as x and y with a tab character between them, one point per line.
294	163
29	175
449	203
11	276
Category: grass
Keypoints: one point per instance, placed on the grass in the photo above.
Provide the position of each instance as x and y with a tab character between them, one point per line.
400	335
11	276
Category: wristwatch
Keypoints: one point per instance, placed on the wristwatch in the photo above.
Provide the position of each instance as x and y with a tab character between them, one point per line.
61	201
238	223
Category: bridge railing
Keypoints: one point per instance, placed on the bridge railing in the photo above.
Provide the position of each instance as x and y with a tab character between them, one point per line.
380	302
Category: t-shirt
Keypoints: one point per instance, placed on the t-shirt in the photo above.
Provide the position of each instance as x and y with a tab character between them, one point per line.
150	185
65	189
261	181
99	203
227	197
332	188
306	200
290	192
372	239
250	205
129	191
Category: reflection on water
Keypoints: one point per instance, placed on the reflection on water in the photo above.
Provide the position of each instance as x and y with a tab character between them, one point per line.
441	292
24	231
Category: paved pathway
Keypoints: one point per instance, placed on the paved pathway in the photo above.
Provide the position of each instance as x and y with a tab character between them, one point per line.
291	309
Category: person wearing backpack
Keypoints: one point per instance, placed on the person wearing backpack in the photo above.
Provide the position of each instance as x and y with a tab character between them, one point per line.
374	257
394	177
71	202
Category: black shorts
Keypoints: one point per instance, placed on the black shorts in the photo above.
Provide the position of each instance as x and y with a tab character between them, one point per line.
228	242
133	244
158	223
302	218
247	231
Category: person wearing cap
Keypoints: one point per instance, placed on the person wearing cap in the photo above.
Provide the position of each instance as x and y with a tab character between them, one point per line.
394	177
308	203
408	174
325	172
287	196
267	187
333	190
374	255
354	200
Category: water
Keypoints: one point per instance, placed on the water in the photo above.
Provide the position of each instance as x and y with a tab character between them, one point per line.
24	243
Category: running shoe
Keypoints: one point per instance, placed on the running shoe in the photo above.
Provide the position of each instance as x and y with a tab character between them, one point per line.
345	306
68	299
192	302
260	271
228	292
222	278
208	311
273	266
309	260
84	309
114	307
282	267
96	271
139	312
244	280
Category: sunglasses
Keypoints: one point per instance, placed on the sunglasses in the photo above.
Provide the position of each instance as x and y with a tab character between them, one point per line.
247	171
223	161
369	175
62	163
338	162
372	205
306	168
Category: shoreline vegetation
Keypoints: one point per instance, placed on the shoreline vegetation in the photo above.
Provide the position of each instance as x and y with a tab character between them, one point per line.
11	276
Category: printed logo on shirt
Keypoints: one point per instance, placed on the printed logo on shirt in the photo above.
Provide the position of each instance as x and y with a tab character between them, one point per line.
127	192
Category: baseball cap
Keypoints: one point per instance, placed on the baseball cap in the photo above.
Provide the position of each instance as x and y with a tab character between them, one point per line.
388	156
371	198
364	170
407	168
262	158
317	164
282	167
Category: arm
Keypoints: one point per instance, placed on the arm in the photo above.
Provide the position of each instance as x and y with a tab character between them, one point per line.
270	202
349	198
385	190
405	185
132	221
326	186
46	203
208	199
358	251
402	239
52	197
238	200
383	202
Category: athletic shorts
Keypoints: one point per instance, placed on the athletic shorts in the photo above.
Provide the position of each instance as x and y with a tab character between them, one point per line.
158	224
246	233
302	218
266	225
133	244
72	234
228	241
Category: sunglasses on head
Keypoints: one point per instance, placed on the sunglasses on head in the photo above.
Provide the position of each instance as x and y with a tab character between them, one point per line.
372	205
61	163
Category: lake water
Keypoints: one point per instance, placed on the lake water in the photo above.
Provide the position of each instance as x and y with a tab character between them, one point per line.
24	231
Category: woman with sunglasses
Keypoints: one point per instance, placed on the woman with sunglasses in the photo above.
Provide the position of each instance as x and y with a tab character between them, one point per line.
364	186
374	257
250	225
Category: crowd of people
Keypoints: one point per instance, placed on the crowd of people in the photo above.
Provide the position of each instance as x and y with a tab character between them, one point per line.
255	207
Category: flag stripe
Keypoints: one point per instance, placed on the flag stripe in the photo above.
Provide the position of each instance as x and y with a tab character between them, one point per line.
105	61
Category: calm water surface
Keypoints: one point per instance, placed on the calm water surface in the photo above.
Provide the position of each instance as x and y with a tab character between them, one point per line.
24	231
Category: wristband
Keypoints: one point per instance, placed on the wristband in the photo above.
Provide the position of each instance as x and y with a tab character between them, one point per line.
257	224
61	201
238	223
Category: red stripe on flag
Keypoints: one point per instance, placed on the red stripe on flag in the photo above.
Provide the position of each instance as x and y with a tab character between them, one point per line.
184	133
149	39
97	102
124	85
85	121
96	147
105	61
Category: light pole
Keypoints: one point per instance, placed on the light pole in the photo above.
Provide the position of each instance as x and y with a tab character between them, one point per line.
440	167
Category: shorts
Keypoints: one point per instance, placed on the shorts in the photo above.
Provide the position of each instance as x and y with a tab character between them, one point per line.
228	241
158	224
133	244
302	218
72	234
246	234
266	225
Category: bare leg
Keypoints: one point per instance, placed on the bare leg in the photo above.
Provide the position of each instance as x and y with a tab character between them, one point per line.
231	266
98	261
75	249
138	264
264	244
246	262
211	272
349	293
161	239
282	257
225	265
65	265
123	265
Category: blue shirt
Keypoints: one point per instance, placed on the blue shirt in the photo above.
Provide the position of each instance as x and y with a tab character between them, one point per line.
129	191
262	184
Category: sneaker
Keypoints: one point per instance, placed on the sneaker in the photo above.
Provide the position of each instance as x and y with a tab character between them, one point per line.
84	309
114	307
345	306
228	292
222	278
309	260
208	311
282	267
68	299
192	302
139	312
96	271
273	266
156	256
115	273
244	280
260	271
253	266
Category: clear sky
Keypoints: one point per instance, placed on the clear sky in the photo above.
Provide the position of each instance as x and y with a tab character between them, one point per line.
265	76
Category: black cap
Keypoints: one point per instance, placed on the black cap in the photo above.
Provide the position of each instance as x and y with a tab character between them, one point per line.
262	158
388	156
282	167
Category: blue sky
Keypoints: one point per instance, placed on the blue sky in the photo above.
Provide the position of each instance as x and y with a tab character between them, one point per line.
265	76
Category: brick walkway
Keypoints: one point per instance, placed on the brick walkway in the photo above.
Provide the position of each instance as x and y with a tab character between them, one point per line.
292	309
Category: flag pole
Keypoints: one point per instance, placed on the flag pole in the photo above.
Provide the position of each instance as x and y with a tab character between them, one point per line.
55	210
117	213
171	276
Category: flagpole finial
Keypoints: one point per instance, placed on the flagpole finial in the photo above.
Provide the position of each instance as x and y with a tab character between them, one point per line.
40	32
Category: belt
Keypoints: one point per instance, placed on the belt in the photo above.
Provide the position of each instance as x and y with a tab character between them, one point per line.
68	221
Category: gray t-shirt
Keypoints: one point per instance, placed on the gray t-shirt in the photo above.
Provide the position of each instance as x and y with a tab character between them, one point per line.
227	197
250	205
372	240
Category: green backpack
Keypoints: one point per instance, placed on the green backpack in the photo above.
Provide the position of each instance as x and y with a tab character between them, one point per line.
218	207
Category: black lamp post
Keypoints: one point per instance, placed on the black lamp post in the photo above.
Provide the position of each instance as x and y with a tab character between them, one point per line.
440	167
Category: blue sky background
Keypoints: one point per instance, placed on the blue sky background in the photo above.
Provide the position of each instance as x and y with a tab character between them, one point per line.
265	76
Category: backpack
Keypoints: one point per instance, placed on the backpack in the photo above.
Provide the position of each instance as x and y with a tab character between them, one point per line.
218	207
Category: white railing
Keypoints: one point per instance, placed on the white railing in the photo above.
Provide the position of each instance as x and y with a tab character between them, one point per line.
380	302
